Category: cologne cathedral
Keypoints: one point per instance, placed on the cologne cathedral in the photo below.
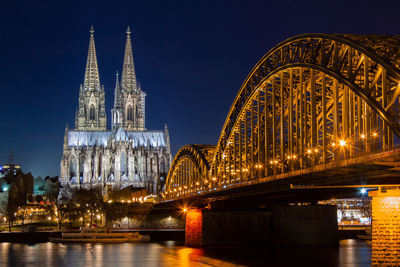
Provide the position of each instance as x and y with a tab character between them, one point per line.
126	155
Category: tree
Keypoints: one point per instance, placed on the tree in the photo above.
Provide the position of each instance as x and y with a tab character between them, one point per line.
62	203
51	201
11	213
89	203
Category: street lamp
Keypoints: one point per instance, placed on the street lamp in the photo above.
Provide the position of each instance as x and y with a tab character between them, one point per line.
342	143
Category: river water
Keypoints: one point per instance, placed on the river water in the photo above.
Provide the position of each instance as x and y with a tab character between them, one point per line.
349	253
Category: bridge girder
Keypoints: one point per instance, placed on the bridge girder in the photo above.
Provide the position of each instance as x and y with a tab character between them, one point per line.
312	99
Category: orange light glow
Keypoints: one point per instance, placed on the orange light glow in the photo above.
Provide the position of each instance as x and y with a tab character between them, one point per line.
193	229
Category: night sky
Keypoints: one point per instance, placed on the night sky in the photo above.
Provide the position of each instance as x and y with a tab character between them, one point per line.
190	57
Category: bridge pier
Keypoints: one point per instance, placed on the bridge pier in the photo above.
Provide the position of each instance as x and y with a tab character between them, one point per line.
277	225
385	227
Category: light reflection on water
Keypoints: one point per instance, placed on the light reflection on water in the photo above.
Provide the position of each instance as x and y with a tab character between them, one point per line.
349	253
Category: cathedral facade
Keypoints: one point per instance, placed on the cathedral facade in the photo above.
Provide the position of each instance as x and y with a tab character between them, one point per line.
125	155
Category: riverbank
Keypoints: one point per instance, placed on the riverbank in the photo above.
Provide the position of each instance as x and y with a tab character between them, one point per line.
43	236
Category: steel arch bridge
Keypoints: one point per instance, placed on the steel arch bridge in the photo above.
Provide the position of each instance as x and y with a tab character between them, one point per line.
189	169
311	100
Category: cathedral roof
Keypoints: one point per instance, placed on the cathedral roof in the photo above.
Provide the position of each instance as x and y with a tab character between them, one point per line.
89	138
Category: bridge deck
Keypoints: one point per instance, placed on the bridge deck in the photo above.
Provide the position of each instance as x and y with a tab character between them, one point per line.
379	168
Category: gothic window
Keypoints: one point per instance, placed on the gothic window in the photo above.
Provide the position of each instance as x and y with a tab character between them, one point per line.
99	166
123	163
130	113
72	167
81	166
163	167
151	166
91	113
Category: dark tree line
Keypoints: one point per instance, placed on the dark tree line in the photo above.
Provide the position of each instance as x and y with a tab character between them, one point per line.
79	204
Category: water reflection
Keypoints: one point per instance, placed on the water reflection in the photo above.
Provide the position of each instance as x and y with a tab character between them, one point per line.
349	253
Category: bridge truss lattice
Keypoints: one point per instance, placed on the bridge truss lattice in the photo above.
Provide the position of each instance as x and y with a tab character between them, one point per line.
312	99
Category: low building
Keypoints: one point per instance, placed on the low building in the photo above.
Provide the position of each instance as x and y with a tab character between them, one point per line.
16	188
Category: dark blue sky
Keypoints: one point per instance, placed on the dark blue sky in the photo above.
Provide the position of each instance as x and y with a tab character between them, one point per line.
191	58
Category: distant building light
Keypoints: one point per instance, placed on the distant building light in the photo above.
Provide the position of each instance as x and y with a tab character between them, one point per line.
363	190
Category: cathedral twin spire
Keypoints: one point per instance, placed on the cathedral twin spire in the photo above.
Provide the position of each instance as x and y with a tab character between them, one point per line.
129	100
92	78
91	112
128	80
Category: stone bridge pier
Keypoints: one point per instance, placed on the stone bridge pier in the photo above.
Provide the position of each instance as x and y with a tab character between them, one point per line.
276	225
385	227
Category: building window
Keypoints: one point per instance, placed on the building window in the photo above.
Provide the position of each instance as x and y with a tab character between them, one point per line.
72	167
81	166
91	114
130	113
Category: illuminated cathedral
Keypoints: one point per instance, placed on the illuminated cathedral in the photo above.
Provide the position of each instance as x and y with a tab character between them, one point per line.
127	154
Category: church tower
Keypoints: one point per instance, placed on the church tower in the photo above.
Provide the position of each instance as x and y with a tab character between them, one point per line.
131	95
91	112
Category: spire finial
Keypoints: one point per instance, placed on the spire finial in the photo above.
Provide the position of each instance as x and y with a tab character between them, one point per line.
128	30
117	74
91	30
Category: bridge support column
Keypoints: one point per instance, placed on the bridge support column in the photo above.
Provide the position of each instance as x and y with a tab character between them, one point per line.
276	225
385	227
193	229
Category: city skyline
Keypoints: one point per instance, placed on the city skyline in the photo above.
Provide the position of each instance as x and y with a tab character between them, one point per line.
187	57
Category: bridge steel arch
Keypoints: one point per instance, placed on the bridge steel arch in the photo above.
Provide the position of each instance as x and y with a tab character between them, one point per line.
189	170
312	99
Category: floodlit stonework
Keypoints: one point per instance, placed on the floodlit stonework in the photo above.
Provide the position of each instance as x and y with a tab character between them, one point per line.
385	227
126	155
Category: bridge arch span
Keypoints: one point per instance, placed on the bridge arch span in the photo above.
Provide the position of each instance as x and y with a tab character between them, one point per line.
189	170
312	99
366	66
